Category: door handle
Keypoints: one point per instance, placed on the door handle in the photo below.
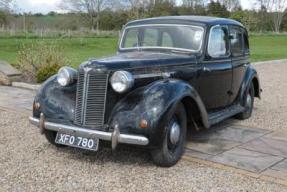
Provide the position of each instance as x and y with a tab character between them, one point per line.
206	69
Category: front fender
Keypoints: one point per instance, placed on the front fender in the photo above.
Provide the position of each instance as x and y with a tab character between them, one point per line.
151	103
56	102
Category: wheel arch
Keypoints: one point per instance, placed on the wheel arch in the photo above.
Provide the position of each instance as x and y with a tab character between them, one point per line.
257	89
192	111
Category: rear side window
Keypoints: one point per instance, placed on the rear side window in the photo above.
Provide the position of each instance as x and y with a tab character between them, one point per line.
237	41
246	43
218	45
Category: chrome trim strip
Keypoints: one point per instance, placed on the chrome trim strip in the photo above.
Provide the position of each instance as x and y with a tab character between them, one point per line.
122	138
107	84
150	75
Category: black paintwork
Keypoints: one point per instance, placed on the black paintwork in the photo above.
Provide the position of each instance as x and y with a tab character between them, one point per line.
206	86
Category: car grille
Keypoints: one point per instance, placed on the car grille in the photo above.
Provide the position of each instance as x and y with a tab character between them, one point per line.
91	99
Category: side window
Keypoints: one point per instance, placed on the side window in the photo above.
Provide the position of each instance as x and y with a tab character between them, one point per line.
246	43
218	45
237	45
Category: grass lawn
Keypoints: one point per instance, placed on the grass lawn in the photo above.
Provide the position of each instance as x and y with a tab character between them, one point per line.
263	47
76	50
268	47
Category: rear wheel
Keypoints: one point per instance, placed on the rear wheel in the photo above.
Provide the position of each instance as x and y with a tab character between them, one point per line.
248	104
172	146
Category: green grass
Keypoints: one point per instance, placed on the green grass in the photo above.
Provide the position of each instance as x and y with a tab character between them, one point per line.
263	47
76	50
268	47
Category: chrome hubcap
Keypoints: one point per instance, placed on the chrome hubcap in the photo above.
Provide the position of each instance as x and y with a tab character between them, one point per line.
174	133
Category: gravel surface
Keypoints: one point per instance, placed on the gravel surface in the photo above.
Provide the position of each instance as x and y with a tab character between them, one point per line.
271	111
29	163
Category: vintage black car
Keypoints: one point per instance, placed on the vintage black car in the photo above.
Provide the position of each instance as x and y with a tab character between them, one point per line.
170	74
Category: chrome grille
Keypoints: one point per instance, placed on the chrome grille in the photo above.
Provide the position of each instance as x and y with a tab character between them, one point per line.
91	97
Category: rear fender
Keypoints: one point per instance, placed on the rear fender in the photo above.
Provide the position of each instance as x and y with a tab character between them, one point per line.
251	76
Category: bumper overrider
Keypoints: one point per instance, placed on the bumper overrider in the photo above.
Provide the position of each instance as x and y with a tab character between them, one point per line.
115	137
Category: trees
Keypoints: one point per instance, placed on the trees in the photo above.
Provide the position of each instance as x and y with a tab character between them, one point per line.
277	9
217	9
90	10
230	4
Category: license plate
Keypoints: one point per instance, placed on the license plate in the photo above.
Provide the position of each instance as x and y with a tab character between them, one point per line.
76	141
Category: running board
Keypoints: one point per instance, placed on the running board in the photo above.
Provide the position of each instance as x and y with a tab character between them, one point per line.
219	116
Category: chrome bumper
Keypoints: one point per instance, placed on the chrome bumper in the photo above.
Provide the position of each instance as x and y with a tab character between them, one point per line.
115	137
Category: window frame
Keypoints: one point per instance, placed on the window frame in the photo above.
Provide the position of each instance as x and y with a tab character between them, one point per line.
121	48
228	42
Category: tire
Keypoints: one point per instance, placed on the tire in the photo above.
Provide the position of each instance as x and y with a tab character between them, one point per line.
172	148
248	104
51	136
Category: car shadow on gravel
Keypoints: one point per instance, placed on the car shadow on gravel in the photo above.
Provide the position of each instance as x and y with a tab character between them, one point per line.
124	155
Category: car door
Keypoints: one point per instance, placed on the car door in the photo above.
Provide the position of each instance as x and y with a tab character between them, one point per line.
240	58
215	80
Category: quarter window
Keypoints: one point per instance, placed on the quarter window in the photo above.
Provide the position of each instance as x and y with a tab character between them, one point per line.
237	46
218	45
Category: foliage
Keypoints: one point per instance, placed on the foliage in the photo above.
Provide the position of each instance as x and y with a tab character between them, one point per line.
263	47
217	9
3	18
39	61
114	14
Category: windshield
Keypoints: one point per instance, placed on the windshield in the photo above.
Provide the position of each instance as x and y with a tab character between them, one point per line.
179	37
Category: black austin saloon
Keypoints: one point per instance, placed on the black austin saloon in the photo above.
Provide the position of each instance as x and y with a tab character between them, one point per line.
170	74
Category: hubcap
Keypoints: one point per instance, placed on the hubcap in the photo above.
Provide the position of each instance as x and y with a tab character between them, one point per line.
174	133
249	101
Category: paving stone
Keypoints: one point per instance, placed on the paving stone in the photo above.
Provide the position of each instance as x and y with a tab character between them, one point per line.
278	170
268	146
247	160
196	154
281	166
7	69
15	99
232	133
211	146
277	135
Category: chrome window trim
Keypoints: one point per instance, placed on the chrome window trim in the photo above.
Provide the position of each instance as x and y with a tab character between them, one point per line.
155	47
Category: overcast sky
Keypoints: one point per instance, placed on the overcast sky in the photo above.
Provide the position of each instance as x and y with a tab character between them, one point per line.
45	6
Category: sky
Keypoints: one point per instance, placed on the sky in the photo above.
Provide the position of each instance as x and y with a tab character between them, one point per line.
45	6
37	6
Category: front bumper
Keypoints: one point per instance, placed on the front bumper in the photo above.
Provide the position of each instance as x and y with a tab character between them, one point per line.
115	137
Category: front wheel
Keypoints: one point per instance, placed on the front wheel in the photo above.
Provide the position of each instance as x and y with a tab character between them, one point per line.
248	104
172	146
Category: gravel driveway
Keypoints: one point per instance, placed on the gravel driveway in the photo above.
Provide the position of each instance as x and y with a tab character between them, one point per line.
29	163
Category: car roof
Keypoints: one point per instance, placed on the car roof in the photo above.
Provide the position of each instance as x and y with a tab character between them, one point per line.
199	20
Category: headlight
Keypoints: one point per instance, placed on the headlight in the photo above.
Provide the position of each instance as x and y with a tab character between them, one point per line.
122	81
66	76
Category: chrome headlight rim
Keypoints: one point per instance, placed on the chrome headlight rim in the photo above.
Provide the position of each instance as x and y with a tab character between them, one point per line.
66	76
122	81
